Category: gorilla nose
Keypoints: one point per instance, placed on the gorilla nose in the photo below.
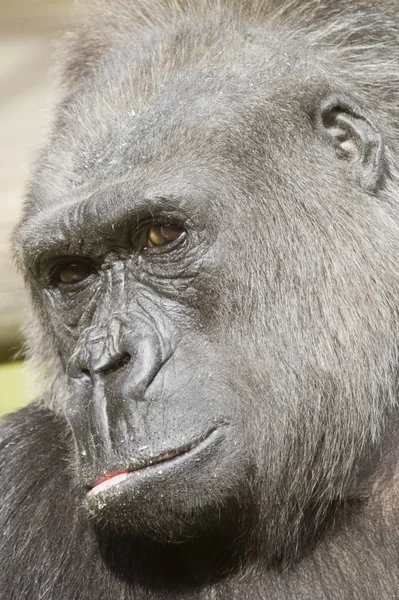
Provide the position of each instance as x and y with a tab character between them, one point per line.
109	364
97	355
119	361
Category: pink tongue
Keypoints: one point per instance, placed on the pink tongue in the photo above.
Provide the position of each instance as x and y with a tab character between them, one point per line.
108	477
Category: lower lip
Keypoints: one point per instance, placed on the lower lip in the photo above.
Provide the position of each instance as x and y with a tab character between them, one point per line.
118	478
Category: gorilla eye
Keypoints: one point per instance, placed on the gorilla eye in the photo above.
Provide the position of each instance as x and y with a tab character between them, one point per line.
73	272
161	235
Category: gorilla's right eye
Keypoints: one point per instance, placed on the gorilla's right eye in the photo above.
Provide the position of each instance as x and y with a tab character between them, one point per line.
71	272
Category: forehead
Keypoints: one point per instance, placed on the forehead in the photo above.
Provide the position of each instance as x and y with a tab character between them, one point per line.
183	108
140	117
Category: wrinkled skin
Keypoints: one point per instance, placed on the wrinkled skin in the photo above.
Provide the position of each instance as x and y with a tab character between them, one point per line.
212	258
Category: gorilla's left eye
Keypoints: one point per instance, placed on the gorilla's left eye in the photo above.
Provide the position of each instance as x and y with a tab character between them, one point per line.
161	235
72	272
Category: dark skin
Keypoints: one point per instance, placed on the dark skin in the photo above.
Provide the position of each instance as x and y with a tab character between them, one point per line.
212	257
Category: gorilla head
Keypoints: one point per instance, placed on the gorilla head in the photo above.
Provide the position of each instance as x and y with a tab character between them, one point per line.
211	241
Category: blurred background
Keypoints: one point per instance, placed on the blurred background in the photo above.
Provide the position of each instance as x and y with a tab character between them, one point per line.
28	31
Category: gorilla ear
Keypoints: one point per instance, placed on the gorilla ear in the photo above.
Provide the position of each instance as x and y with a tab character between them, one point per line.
356	140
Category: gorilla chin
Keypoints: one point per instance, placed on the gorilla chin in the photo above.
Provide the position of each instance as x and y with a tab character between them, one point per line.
167	499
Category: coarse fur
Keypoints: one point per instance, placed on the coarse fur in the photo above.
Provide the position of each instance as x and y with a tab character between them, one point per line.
261	345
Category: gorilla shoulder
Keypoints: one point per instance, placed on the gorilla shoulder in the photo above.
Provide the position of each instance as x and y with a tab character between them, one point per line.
35	497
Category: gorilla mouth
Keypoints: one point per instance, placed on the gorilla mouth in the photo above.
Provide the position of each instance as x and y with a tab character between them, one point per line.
107	481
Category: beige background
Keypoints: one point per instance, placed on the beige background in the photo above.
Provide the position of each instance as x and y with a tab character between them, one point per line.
28	30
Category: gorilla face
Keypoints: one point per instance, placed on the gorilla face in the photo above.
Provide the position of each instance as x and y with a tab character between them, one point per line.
134	303
154	412
219	322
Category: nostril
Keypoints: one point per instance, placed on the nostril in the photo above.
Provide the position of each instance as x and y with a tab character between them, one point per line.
116	364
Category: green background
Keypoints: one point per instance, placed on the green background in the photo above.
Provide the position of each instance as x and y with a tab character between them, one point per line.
14	387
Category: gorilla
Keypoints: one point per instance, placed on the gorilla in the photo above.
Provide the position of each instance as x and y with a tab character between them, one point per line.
210	241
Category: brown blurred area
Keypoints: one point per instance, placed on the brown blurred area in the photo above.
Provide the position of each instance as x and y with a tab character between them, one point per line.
28	30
